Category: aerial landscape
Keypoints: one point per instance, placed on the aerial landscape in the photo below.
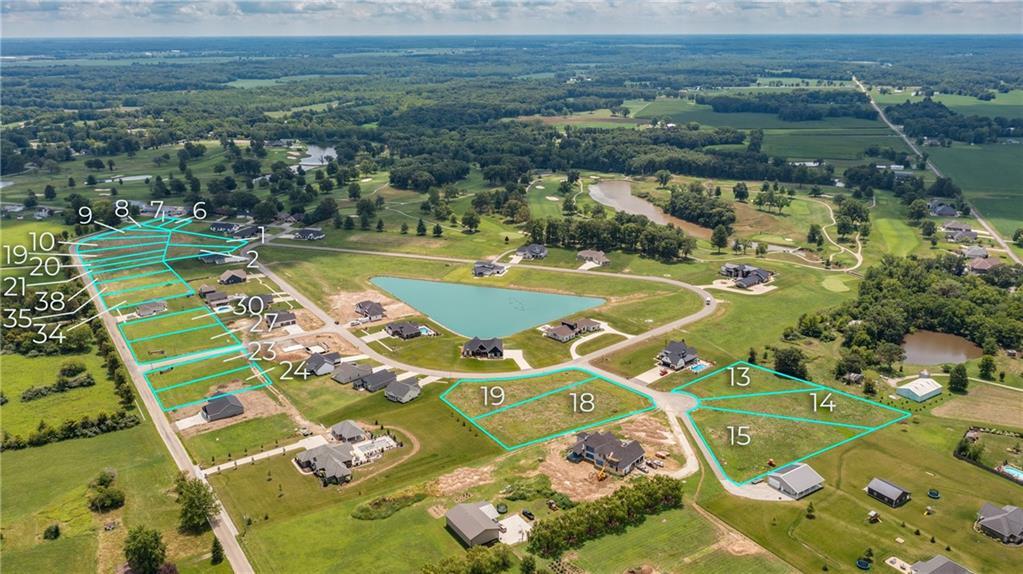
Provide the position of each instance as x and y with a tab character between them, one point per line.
526	287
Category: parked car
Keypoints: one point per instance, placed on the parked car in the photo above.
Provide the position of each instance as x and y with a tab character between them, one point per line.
528	515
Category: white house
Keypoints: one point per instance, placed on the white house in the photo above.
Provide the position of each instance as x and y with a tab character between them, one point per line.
921	389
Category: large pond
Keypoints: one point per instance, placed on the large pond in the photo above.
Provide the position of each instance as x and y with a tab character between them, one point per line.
475	311
618	196
930	348
316	156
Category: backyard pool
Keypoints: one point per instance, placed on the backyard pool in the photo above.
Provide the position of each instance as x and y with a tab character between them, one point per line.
483	312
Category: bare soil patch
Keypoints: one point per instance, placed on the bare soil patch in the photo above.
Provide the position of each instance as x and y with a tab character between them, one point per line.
342	305
985	404
577	480
462	479
257	403
653	432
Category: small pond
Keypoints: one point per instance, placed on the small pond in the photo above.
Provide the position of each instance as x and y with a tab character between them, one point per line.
476	311
618	196
931	348
317	156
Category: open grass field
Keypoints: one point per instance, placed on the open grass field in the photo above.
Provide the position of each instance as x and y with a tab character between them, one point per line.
989	175
48	484
829	144
239	439
683	111
316	397
1005	105
916	456
470	396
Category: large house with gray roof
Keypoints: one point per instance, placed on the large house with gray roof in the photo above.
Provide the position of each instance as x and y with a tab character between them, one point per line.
350	372
609	452
370	310
322	363
221	408
1002	522
402	391
375	381
475	523
487	269
330	462
483	348
745	276
796	480
938	565
348	431
677	355
532	251
403	330
888	493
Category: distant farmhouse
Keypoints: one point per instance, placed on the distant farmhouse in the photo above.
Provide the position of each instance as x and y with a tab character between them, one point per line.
594	256
745	276
796	480
475	523
221	408
921	389
1004	523
487	269
888	493
370	310
532	251
677	355
572	328
941	208
608	452
309	235
483	348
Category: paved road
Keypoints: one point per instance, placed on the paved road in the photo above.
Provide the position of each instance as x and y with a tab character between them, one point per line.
223	527
934	169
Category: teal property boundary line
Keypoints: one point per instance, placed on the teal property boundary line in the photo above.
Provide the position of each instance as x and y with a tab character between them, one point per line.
590	377
249	365
709	449
141	288
135	276
164	315
201	379
172	333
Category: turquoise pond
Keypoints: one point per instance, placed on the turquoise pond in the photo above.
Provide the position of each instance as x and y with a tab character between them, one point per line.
484	312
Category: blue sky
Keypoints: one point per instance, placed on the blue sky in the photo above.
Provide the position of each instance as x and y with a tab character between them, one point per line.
74	18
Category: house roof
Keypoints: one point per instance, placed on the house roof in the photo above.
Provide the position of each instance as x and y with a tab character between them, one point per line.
799	477
316	361
239	273
939	565
331	459
921	386
403	390
347	429
678	350
309	233
594	255
279	317
471	519
886	488
487	266
974	251
561	332
580	323
370	308
378	379
151	308
617	451
532	249
1006	521
477	345
980	264
222	408
348	372
402	328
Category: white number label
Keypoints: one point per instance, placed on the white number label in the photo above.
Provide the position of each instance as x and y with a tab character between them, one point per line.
492	396
16	318
121	208
742	380
159	208
583	402
739	436
50	300
44	336
49	266
43	241
253	257
17	286
290	369
15	254
85	215
825	402
262	351
199	210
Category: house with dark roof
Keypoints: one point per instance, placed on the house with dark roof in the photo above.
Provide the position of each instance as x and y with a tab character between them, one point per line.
796	480
322	363
961	236
938	565
279	319
348	431
257	302
212	297
950	226
571	328
677	355
941	208
213	258
888	493
330	462
375	381
483	348
403	330
1002	522
532	251
608	452
309	235
402	391
247	232
487	269
232	277
370	310
561	333
350	372
745	276
475	523
151	308
983	266
593	256
221	408
224	227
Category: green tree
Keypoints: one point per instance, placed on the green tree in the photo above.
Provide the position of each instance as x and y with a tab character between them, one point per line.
380	225
265	211
917	210
216	552
741	191
1017	236
404	228
471	220
790	361
421	228
198	505
528	565
144	550
354	190
719	239
987	367
663	177
928	228
958	381
30	200
438	230
349	223
49	192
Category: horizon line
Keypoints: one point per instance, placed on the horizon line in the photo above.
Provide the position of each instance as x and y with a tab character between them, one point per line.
538	35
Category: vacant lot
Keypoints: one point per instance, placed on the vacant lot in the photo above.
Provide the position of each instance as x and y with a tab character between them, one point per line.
474	397
240	439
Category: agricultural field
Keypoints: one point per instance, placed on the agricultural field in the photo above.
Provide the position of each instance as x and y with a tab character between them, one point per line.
682	111
1005	105
989	175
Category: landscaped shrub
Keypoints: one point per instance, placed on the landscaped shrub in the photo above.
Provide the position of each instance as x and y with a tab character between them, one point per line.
106	498
52	532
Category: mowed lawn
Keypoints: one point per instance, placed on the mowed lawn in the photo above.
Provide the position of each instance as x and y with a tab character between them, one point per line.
990	176
480	396
47	485
240	439
916	456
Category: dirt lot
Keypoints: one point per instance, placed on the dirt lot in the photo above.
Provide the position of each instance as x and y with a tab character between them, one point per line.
985	404
342	305
462	479
653	432
257	403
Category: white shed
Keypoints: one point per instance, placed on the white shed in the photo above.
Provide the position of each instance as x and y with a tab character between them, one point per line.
921	389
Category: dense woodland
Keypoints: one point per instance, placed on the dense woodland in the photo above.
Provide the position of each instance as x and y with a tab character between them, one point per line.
932	119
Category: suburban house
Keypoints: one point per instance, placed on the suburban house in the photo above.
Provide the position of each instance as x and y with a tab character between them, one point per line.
888	493
370	310
322	364
375	381
921	389
224	227
593	256
213	258
348	431
247	232
487	269
265	300
608	452
982	266
279	319
745	276
532	251
212	297
330	462
151	308
941	208
961	236
571	328
796	480
1004	523
953	226
483	348
938	565
350	372
221	408
402	391
677	355
309	235
403	330
232	277
974	251
286	218
475	523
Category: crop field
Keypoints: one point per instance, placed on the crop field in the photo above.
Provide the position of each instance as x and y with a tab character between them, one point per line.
989	175
753	419
1005	105
683	111
543	407
829	144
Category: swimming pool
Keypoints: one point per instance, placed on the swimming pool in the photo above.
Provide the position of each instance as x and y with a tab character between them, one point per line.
698	367
1015	473
475	311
